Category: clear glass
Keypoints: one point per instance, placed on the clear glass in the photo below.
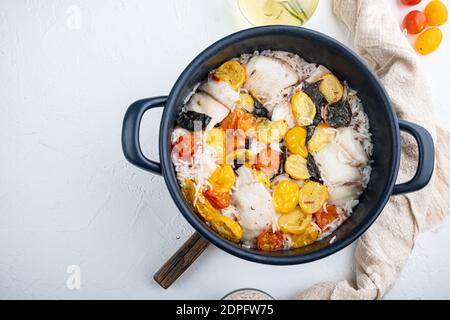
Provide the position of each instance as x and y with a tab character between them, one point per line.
285	12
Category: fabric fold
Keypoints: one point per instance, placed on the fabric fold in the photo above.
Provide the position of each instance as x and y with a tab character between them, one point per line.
383	250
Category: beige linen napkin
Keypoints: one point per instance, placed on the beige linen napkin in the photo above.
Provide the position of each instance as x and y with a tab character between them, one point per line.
384	249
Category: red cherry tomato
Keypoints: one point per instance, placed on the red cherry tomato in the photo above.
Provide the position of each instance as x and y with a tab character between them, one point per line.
219	200
323	217
270	241
410	2
414	22
268	161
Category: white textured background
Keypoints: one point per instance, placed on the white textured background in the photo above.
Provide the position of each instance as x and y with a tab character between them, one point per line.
67	195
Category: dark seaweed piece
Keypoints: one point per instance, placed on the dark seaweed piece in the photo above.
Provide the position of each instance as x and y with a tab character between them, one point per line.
247	143
310	132
282	160
313	169
260	110
186	120
312	90
237	164
338	114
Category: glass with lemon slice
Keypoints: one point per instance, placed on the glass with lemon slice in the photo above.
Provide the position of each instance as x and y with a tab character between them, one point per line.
279	12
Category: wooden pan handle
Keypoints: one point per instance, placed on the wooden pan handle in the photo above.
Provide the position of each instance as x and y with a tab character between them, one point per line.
181	260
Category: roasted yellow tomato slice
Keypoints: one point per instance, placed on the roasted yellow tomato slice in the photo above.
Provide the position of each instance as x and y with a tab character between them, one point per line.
205	209
227	228
262	178
188	190
303	109
246	102
202	206
295	140
331	88
306	238
322	136
295	222
285	196
296	167
312	196
231	72
222	179
270	131
216	139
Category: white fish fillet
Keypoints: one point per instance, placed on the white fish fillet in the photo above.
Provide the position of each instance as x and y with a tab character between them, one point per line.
283	111
254	205
347	140
267	77
203	103
333	169
342	194
222	92
315	76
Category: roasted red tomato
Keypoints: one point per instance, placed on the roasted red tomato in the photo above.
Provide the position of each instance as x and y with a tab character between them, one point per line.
325	216
268	161
229	123
219	200
270	241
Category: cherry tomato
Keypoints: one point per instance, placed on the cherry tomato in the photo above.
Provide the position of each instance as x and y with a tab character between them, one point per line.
231	72
296	141
219	200
312	196
285	196
230	121
270	241
246	122
226	227
414	22
184	148
222	179
436	13
410	2
323	217
428	41
268	161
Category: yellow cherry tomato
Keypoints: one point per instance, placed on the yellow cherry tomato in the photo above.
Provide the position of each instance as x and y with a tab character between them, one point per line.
303	109
306	238
436	13
322	136
216	139
295	222
270	131
331	88
285	196
262	178
296	141
227	228
202	206
296	167
428	41
188	190
246	102
312	196
222	179
231	72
